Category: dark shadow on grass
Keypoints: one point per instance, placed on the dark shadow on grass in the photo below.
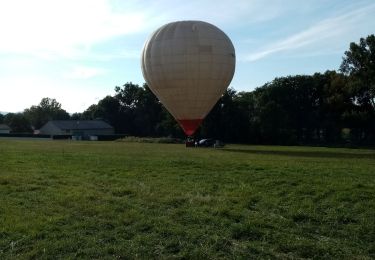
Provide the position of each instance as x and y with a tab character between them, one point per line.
315	154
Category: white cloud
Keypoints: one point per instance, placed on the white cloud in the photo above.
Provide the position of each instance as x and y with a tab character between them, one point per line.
51	29
323	34
47	28
223	13
109	56
24	92
40	39
83	72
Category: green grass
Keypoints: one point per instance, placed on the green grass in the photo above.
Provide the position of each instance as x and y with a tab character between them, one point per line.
61	199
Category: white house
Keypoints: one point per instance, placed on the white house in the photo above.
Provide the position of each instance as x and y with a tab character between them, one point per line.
82	128
4	129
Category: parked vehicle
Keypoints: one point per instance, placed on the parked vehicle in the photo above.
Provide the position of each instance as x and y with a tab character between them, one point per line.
209	142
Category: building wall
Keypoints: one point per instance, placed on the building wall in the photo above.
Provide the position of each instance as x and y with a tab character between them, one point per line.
89	132
51	129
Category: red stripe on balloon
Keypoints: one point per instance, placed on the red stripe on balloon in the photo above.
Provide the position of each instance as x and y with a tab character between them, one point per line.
190	125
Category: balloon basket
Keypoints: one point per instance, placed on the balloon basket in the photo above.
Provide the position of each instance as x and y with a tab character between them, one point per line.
190	142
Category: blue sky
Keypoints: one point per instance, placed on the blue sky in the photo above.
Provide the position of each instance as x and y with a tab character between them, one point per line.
78	51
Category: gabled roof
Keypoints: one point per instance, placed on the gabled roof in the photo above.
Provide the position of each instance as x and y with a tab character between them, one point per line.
4	127
80	124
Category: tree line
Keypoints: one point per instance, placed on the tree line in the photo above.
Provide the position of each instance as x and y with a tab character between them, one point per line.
335	107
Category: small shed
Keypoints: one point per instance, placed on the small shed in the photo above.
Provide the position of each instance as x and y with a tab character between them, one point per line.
4	129
79	128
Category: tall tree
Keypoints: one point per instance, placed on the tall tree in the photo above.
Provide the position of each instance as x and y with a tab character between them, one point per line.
359	65
108	109
148	112
76	116
224	121
18	123
48	109
336	102
248	130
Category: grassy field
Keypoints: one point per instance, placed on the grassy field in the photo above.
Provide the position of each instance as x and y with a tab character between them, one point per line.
61	199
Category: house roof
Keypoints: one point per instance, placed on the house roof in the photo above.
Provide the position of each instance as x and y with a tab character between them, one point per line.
81	124
4	127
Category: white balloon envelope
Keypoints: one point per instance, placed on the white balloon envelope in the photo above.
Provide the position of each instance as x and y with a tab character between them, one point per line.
188	65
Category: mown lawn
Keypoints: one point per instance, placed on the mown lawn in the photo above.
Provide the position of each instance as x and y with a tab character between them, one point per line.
61	199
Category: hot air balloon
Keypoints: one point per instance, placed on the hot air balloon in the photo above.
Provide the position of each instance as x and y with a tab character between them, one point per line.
188	65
